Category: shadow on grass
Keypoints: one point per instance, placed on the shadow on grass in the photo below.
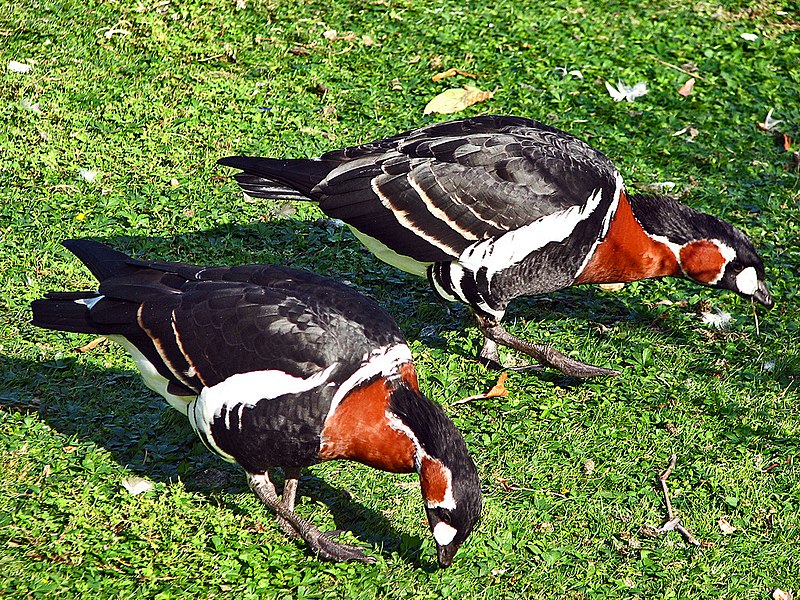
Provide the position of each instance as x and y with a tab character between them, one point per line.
159	443
114	410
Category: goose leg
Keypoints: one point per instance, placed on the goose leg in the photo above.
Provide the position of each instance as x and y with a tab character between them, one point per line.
321	544
548	356
288	498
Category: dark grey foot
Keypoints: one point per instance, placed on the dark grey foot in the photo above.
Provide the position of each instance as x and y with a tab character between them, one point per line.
327	548
546	355
321	544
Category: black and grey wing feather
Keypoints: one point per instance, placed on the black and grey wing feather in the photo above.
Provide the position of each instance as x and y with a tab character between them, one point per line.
431	193
213	322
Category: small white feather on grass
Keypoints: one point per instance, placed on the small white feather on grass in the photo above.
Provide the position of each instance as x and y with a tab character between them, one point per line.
137	485
19	67
627	92
88	174
718	319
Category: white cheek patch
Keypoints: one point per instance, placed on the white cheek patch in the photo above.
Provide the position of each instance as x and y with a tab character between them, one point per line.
444	533
747	281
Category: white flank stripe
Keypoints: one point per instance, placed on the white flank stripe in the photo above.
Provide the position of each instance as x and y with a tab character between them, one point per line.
152	378
497	314
246	389
612	210
444	533
382	361
89	302
403	220
159	348
436	211
512	247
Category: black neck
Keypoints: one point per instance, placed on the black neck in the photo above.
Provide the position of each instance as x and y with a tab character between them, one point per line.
668	218
435	432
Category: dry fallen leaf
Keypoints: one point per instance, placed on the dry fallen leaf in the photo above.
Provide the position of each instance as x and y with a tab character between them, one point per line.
115	31
451	73
456	99
726	527
686	88
499	389
611	287
94	343
787	142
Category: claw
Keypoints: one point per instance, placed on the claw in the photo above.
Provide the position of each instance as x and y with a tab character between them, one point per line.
328	549
550	357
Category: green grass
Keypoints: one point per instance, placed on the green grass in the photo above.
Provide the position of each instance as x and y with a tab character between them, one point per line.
151	109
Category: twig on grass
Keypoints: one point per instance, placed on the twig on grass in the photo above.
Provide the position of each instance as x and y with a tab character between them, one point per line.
677	68
672	521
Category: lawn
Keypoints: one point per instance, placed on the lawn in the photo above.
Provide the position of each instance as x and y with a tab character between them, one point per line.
113	134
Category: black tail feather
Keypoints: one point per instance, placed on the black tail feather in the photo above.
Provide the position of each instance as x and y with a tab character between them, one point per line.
62	312
278	178
101	260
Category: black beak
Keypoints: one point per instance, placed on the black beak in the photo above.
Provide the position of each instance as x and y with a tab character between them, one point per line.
762	295
445	554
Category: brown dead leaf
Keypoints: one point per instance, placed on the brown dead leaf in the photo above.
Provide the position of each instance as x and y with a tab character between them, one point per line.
787	142
686	88
499	389
91	345
451	73
456	99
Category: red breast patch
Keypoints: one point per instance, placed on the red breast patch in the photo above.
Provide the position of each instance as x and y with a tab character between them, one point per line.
359	430
627	253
